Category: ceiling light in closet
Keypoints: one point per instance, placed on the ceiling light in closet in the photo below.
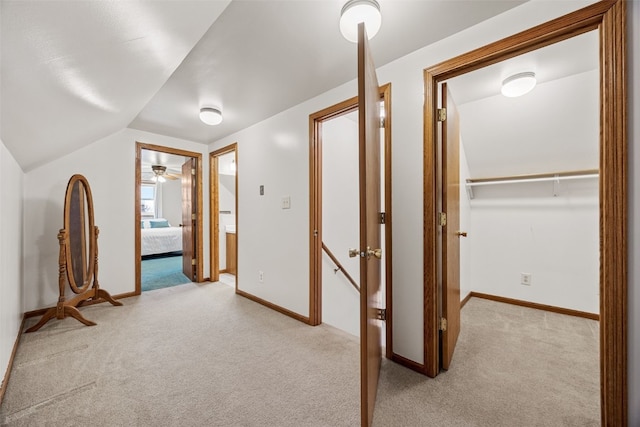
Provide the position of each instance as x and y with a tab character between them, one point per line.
357	11
210	116
518	84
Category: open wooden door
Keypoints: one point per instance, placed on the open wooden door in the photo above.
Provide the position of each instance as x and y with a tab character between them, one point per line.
369	152
450	322
189	206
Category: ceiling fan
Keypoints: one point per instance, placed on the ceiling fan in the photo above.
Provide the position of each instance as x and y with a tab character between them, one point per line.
160	174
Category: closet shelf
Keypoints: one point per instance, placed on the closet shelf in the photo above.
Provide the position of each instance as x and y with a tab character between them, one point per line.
554	177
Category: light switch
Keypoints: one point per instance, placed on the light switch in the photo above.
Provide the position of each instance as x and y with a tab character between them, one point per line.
286	202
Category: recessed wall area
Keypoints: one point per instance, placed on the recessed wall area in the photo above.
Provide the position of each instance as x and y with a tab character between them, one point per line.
340	222
533	240
227	213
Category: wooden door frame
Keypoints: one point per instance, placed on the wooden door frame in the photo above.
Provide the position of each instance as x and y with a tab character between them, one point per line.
609	17
315	207
138	182
214	207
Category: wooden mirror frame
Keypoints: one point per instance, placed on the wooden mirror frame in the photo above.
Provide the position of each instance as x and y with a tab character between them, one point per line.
78	205
608	17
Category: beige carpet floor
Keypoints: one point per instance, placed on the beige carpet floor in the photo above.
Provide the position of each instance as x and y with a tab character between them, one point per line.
198	355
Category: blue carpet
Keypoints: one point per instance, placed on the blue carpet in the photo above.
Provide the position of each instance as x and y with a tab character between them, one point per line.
162	272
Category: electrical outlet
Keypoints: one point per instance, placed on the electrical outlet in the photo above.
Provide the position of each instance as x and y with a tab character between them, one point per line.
525	279
286	202
261	276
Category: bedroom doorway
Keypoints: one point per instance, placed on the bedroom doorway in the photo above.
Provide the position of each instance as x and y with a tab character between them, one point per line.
168	217
224	214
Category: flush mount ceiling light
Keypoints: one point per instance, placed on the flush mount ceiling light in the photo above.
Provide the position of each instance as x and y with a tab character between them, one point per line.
210	116
518	84
357	11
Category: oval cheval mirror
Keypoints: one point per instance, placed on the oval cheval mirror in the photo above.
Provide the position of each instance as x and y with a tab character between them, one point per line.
78	259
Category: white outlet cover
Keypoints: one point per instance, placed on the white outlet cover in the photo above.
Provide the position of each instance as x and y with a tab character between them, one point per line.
286	202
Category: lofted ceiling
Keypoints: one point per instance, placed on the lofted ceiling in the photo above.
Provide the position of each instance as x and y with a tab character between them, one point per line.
554	128
73	72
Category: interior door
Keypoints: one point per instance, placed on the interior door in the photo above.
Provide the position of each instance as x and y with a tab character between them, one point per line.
189	218
369	153
450	328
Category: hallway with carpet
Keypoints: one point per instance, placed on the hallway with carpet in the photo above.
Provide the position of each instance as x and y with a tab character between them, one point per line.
199	354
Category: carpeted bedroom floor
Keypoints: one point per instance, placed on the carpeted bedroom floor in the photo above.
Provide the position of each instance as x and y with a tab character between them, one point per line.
162	272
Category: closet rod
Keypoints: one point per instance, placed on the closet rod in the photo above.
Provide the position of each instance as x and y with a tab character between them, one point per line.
557	176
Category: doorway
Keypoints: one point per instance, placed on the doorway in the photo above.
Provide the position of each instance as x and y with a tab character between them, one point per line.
168	231
224	215
608	18
334	293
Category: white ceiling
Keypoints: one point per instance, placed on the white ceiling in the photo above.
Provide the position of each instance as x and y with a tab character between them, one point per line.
554	128
73	72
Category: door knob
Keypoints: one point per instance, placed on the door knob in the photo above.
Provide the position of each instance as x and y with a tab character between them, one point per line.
375	252
353	253
461	233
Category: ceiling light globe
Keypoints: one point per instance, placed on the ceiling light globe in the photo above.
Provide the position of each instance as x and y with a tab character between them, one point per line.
518	84
210	116
357	11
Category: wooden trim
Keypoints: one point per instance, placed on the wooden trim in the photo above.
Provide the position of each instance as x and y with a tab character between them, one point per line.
609	17
430	263
7	375
315	207
125	295
199	232
537	306
388	227
273	306
315	219
613	216
408	363
214	207
466	300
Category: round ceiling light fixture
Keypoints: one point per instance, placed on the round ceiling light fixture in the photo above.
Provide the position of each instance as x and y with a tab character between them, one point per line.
210	116
518	84
357	11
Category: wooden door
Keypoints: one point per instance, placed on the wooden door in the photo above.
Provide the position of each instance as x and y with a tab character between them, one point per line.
369	153
189	218
451	231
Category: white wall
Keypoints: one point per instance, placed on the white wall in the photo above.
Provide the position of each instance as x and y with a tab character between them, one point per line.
340	223
523	228
275	152
634	215
171	191
109	166
11	276
465	225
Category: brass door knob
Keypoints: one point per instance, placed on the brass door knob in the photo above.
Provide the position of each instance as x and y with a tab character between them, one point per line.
375	252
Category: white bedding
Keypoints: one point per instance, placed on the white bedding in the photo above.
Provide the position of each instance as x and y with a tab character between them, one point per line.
161	240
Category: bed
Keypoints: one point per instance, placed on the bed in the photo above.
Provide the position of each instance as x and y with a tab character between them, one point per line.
158	237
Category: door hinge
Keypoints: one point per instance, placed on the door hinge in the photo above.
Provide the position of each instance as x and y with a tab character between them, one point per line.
442	114
382	216
382	122
193	261
443	324
381	314
193	172
442	219
315	233
193	217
